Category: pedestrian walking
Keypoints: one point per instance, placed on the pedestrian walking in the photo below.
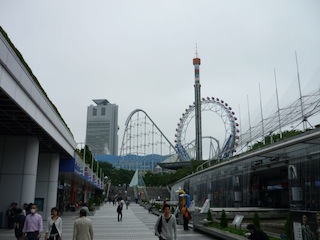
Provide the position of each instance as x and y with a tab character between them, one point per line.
11	215
119	211
256	234
24	209
307	234
166	225
33	225
82	229
186	217
19	223
85	207
54	227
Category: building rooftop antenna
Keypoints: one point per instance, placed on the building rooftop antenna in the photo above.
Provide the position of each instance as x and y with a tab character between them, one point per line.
196	50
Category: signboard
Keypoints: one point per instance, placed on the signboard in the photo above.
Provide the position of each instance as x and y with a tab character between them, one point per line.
237	220
205	207
40	203
296	194
297	232
192	206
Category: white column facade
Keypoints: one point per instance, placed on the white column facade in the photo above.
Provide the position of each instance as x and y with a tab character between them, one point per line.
18	170
47	182
85	194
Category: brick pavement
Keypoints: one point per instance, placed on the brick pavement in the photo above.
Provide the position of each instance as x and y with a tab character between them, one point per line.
137	224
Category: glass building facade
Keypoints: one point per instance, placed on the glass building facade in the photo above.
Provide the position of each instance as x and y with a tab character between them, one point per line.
102	128
283	175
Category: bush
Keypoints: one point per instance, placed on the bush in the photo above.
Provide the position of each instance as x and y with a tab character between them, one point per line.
287	227
97	200
157	206
256	220
172	209
223	220
91	204
209	216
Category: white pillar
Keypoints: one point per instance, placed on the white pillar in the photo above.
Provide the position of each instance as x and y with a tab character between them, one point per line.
85	194
53	182
29	175
47	182
18	169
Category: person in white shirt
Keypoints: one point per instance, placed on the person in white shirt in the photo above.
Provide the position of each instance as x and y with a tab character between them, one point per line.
54	228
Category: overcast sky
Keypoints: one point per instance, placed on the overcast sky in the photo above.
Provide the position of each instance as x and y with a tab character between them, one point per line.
138	53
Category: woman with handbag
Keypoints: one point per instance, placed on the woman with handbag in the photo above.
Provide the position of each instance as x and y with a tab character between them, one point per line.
54	229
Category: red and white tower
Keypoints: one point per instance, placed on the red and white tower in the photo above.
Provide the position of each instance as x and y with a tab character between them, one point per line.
197	102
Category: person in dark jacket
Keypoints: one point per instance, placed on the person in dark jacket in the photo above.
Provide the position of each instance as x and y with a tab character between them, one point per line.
256	234
19	223
119	211
12	214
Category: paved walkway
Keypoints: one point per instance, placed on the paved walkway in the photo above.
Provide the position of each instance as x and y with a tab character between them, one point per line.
137	224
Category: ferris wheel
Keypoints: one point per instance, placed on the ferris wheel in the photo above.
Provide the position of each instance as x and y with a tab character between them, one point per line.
224	144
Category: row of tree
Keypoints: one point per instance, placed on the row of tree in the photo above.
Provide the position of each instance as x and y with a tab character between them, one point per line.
122	176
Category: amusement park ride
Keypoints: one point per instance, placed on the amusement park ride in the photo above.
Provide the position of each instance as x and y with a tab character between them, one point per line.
143	137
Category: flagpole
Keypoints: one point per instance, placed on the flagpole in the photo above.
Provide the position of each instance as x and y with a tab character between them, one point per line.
92	167
97	169
84	158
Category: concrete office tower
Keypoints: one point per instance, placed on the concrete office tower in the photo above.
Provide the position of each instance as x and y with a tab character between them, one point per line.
102	128
197	103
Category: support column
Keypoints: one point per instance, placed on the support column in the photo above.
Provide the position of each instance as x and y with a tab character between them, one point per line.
85	193
53	183
73	191
47	182
29	175
18	170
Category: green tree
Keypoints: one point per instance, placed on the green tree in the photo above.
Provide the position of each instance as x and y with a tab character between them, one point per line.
164	179
275	138
223	219
209	216
148	178
287	227
117	176
256	220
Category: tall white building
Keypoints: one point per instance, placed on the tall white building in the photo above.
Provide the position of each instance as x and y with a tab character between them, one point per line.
102	127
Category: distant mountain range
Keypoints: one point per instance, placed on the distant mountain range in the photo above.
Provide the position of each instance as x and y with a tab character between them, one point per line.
131	159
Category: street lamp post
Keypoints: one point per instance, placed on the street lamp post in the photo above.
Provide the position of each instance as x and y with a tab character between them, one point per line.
107	185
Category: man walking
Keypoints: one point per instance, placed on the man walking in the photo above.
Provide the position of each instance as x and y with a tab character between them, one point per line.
12	214
82	229
33	225
119	211
166	226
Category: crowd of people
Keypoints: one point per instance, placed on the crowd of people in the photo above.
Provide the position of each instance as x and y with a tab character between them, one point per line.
28	223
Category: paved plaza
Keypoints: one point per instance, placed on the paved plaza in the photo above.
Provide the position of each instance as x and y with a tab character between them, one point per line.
137	224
